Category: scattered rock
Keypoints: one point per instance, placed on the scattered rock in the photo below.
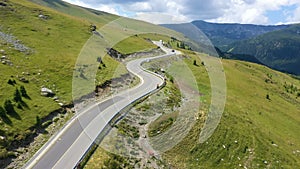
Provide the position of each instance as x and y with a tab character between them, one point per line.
45	17
55	98
2	4
10	39
25	73
93	27
47	92
23	79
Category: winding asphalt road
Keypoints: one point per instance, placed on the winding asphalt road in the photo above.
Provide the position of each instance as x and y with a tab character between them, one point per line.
67	147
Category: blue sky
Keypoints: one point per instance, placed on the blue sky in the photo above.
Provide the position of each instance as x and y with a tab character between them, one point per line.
264	12
282	15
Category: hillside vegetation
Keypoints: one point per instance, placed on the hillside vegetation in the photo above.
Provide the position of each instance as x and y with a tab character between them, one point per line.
39	47
278	49
259	127
36	55
41	41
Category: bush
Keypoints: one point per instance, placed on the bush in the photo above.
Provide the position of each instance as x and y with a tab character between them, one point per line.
17	96
8	106
2	112
23	91
195	63
38	121
11	82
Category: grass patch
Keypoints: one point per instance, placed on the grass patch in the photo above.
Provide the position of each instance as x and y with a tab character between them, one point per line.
134	44
127	129
162	124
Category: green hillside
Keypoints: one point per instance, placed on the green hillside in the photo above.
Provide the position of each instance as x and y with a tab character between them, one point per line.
40	42
38	53
39	47
277	49
97	17
259	127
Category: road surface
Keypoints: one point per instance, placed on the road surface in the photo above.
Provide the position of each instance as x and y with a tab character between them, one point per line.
67	147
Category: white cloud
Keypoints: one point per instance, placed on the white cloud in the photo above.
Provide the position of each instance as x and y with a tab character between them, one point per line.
106	8
238	11
140	7
252	11
161	18
294	17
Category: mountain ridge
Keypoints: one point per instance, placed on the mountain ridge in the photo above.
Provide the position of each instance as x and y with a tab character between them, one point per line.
223	34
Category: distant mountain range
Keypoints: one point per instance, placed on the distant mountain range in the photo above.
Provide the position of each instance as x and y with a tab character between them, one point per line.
223	34
277	49
277	46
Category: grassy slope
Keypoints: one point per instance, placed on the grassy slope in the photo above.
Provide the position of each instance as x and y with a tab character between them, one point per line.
246	119
134	44
250	124
96	17
256	132
54	56
56	43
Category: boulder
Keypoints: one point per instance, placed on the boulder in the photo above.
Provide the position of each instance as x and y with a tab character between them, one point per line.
47	92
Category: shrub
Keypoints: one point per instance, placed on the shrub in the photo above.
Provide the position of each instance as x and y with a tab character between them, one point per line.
23	91
8	106
2	112
17	96
195	63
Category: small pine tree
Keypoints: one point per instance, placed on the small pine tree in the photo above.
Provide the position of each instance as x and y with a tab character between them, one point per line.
38	121
23	91
2	112
8	106
10	82
195	63
17	96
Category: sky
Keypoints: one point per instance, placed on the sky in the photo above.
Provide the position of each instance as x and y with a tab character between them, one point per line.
263	12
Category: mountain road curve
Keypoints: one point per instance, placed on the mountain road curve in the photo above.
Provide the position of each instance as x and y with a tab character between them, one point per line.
67	147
